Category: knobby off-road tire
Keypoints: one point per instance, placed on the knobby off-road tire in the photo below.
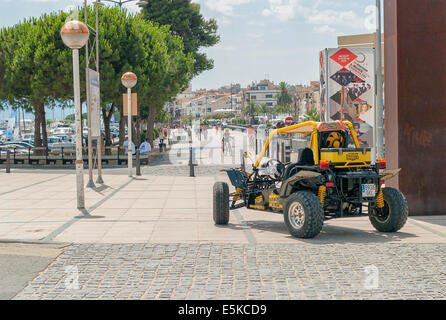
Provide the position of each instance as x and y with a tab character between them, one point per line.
396	205
307	204
221	203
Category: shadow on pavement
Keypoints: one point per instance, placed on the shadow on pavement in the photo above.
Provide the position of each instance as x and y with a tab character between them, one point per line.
331	234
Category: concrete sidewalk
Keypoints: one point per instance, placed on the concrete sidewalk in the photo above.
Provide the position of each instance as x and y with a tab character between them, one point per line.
163	209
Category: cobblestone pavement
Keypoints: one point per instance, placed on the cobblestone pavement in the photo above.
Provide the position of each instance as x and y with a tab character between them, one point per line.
238	271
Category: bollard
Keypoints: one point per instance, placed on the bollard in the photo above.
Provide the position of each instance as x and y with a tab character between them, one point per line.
191	164
242	160
8	158
233	152
287	154
283	152
138	163
222	153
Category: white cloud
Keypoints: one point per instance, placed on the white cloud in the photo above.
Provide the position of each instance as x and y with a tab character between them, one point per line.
254	35
331	17
227	48
283	10
325	20
223	20
324	29
225	7
256	23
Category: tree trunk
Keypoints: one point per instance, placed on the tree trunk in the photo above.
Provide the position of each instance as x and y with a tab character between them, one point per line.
106	128
138	130
150	124
37	125
121	126
44	132
134	137
107	119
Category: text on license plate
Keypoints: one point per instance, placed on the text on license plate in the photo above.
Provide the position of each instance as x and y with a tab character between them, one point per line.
368	190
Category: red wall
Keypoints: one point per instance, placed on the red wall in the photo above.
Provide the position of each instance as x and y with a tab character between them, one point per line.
415	101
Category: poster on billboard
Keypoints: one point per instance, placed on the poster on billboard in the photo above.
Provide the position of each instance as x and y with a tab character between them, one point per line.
348	89
95	104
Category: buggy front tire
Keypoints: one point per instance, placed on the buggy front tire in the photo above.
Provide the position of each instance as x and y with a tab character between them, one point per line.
303	215
395	212
221	203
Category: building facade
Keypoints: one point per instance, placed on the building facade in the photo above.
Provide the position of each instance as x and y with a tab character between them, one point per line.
263	92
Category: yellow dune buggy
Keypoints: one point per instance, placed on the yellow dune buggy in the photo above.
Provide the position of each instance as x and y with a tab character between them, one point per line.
333	177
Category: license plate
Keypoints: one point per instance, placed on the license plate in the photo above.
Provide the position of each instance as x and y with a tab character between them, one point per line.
368	190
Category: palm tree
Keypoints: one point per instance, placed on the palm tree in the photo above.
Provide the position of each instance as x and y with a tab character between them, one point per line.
251	110
264	109
312	115
284	98
280	109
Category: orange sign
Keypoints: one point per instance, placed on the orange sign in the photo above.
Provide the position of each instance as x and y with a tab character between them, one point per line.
134	104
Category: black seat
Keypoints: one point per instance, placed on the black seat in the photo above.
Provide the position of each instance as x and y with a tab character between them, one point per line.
305	158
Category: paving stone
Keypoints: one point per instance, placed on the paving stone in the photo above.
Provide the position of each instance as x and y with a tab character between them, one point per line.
236	271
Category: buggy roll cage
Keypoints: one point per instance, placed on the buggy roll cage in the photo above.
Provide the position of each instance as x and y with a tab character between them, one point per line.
313	128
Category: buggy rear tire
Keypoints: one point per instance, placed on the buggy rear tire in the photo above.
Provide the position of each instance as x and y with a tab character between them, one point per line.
303	215
221	203
395	205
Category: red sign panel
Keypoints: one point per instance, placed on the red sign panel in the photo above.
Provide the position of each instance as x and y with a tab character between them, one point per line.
344	57
289	121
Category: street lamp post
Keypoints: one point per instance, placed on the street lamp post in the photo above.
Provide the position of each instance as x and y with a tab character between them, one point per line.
97	3
129	80
75	35
90	183
379	84
99	141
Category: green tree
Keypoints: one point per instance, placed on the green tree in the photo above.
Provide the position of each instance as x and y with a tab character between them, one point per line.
312	115
251	110
281	109
264	109
284	98
186	21
33	67
36	67
163	117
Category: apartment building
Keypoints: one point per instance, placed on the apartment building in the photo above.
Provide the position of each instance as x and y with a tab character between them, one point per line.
263	92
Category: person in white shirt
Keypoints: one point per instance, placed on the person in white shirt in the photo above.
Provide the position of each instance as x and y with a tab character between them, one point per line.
126	144
144	149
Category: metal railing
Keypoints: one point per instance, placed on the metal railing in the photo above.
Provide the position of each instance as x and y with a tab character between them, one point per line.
115	155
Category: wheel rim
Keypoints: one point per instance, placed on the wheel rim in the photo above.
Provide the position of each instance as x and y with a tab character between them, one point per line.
296	215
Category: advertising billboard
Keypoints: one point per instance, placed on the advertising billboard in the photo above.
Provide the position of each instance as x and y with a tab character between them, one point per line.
347	77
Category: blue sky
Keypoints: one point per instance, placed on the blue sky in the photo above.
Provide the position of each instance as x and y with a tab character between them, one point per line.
278	39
